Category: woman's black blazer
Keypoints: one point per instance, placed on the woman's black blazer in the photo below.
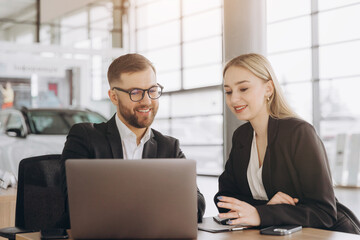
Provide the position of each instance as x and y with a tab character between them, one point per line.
295	163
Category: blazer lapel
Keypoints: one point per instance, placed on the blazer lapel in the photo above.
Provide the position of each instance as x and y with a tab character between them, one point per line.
266	174
242	163
150	147
114	138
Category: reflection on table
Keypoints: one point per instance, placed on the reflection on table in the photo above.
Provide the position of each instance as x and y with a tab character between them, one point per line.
250	234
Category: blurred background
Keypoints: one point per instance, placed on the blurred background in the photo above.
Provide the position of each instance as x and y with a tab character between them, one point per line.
56	53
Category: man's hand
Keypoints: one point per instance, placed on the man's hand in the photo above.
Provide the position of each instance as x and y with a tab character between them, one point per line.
282	198
240	212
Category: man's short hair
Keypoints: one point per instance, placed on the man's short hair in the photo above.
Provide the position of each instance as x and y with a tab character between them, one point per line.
128	63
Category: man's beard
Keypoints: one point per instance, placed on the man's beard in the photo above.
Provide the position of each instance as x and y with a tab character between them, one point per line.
130	115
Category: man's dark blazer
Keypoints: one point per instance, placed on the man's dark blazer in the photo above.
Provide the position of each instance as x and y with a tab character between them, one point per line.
295	163
87	140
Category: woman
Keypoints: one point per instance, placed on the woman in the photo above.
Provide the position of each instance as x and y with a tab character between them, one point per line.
277	172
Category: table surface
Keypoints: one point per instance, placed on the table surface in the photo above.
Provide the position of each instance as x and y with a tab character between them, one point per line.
7	207
250	234
8	194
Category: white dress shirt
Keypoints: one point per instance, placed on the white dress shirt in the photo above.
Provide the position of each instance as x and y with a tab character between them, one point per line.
254	174
128	141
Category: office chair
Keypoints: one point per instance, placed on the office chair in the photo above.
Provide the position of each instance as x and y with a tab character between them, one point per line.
40	202
346	220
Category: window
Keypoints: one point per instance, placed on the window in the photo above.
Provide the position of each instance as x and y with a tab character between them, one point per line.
18	21
339	60
289	51
278	10
15	121
336	25
292	66
159	36
289	35
339	74
299	32
185	45
95	26
49	123
3	119
299	96
59	122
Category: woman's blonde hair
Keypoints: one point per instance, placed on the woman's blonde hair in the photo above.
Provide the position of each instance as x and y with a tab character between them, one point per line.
261	67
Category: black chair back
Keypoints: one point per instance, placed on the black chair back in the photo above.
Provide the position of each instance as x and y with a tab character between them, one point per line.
40	200
346	220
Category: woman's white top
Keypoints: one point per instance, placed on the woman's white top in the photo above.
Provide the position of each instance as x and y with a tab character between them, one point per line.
254	174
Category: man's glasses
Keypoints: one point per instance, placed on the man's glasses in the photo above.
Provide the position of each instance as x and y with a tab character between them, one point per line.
137	94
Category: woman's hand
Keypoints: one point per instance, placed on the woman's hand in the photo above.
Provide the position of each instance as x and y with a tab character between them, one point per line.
240	212
282	198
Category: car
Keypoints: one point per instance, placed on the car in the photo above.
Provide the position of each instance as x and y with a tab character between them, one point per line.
28	132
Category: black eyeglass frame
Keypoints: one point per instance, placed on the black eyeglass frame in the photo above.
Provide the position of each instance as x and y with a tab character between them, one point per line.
143	92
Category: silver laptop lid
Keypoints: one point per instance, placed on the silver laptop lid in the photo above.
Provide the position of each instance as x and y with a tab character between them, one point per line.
148	198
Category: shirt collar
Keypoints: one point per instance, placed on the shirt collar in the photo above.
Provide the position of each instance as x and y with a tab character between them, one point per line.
127	134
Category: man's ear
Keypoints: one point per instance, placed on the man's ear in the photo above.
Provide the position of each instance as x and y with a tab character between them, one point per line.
113	97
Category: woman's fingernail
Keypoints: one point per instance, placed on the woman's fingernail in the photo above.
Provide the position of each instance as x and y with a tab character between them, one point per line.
229	222
219	197
219	204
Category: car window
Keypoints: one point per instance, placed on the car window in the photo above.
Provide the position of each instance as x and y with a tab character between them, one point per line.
59	122
3	118
79	117
48	123
14	121
95	118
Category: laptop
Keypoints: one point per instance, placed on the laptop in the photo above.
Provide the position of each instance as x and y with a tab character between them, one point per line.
147	198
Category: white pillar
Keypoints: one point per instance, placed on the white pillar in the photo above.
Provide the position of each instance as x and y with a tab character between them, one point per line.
244	32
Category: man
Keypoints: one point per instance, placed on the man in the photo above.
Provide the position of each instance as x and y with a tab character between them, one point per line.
8	95
127	135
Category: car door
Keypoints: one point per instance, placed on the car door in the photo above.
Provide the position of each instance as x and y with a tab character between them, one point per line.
27	145
11	148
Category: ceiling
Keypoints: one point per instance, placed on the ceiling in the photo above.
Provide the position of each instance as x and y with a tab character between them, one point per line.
12	9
